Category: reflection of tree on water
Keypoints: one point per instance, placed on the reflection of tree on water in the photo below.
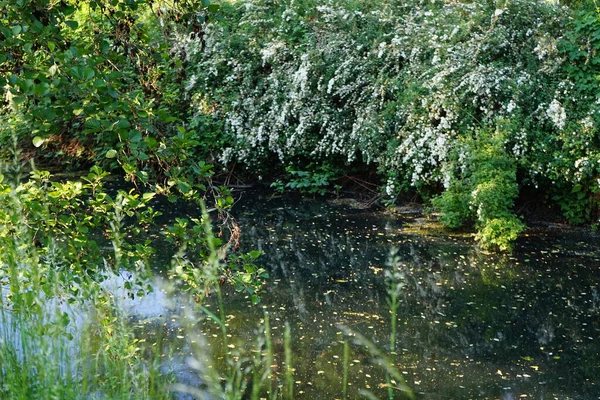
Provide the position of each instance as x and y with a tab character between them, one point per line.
487	309
317	255
470	323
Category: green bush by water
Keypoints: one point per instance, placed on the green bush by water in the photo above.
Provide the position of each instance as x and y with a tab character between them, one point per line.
411	89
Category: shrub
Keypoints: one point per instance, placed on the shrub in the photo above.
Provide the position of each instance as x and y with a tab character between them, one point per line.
99	82
484	192
407	88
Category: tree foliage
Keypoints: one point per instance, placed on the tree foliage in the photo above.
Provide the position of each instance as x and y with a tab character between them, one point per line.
101	82
445	98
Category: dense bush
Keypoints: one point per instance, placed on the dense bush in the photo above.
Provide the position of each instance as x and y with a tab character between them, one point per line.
416	89
100	82
456	99
484	193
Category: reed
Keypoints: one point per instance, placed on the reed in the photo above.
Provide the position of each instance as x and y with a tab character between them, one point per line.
346	366
289	368
61	334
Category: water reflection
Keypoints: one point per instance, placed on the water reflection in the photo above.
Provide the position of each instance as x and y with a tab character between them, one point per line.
473	325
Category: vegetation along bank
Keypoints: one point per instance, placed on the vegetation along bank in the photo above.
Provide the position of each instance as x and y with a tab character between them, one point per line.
483	110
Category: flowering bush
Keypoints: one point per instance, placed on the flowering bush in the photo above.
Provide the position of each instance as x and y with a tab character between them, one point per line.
457	98
411	88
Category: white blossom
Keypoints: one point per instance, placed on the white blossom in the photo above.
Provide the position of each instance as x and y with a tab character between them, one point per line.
557	114
390	187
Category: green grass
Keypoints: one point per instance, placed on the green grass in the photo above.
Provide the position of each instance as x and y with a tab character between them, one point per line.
46	355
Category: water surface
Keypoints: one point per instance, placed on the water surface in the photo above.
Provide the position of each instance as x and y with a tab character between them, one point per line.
471	324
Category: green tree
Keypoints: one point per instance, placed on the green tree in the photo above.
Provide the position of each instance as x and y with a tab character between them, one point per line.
100	82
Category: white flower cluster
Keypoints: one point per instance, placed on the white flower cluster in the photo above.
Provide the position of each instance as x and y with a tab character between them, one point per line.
582	168
401	86
557	114
587	123
546	47
268	53
520	143
390	187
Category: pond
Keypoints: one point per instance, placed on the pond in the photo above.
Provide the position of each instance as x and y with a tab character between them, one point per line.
471	325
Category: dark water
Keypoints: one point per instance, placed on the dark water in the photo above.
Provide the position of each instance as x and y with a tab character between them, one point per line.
471	325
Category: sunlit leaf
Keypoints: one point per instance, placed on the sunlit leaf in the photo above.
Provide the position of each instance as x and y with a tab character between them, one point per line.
38	141
112	153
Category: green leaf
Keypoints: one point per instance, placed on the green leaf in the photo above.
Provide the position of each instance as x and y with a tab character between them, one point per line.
151	142
148	195
76	72
38	141
255	254
78	111
184	187
135	136
41	89
16	30
113	93
88	73
129	168
122	123
214	7
68	10
94	124
112	153
48	114
99	83
72	24
19	99
65	319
